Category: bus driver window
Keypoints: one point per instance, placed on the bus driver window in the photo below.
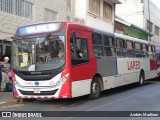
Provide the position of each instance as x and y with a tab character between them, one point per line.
75	52
79	50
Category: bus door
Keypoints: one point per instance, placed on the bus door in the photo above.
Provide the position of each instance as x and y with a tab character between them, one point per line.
79	52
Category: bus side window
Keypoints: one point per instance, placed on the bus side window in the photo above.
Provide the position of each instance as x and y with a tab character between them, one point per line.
130	49
150	51
145	50
154	51
97	45
138	50
121	52
79	51
109	46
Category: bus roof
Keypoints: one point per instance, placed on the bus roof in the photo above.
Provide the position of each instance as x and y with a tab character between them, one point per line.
104	32
130	38
95	30
45	23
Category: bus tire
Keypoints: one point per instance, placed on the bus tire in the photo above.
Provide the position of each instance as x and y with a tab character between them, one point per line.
141	79
95	89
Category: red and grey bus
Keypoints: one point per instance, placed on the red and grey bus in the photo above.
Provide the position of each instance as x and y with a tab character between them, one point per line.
66	60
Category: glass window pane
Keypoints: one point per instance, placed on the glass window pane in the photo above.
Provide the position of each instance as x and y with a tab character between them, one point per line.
97	39
79	49
131	53
94	6
107	11
108	41
129	45
109	51
98	51
120	43
137	46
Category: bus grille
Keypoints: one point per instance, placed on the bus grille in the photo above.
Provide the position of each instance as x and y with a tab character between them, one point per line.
41	93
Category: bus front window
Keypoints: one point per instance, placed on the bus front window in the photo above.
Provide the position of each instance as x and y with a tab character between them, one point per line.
39	54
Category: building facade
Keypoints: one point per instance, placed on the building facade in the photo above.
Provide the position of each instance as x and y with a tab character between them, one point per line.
142	13
15	13
126	28
98	14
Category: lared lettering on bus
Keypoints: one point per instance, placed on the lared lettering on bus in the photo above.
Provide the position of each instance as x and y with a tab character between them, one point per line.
133	65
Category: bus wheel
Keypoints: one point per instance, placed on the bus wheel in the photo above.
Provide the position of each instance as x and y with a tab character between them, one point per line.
95	89
141	79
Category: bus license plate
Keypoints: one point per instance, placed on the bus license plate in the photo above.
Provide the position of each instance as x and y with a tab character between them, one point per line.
37	91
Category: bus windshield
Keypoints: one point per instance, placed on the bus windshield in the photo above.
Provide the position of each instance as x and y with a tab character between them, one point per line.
39	53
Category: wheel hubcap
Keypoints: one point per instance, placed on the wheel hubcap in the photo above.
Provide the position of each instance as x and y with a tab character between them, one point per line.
95	89
141	80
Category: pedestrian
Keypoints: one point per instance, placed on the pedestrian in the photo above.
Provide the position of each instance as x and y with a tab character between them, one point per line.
5	70
1	66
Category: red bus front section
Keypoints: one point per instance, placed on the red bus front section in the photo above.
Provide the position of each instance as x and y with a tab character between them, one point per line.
27	87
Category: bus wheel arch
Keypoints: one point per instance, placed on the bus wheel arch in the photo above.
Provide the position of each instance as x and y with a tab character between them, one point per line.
96	86
141	78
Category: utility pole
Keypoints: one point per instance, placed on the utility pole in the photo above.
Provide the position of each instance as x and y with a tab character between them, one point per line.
149	21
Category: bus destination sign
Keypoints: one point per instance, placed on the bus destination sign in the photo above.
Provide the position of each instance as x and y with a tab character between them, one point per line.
39	28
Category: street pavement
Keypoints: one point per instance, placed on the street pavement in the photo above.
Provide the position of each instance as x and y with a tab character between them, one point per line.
126	98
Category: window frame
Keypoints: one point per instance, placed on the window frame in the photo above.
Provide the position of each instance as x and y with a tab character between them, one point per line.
130	49
111	46
146	47
117	39
92	7
68	5
149	26
156	30
108	6
133	47
98	45
20	8
139	50
80	60
140	45
121	49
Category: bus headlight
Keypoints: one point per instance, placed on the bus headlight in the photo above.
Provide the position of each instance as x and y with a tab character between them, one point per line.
61	81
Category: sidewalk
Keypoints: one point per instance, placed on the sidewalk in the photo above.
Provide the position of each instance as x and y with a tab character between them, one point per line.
6	97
